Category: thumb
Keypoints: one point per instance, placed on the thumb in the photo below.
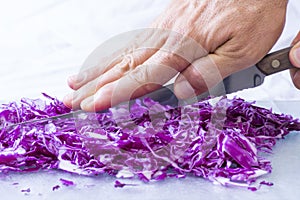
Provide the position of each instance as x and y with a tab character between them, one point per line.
295	55
295	60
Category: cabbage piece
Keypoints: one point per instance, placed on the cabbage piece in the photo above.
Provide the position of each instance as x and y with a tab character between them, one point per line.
56	187
222	143
66	182
26	190
119	184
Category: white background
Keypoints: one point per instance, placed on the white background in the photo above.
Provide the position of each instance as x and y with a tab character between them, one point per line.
42	42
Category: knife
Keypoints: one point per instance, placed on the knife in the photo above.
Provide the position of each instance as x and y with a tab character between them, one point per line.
247	78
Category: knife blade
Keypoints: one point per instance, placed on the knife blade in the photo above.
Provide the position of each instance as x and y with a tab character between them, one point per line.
248	78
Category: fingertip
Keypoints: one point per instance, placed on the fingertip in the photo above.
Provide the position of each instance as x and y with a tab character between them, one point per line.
295	55
68	99
76	81
183	89
71	82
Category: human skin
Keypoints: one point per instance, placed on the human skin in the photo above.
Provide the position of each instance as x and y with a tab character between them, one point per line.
295	60
231	35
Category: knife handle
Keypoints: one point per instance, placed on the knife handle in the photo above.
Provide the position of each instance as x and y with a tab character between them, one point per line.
275	62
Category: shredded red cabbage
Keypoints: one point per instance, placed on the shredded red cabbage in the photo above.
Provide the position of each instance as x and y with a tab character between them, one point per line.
119	184
26	190
223	143
56	187
66	182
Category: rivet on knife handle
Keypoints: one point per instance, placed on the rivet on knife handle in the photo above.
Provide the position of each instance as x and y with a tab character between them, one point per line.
275	62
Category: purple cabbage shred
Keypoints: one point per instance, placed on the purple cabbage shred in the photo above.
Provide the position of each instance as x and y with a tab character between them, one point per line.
119	184
223	143
56	187
26	190
66	182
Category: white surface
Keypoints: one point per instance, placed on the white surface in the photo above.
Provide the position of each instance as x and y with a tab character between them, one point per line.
42	42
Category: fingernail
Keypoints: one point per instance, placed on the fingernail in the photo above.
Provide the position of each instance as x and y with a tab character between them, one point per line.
77	78
184	89
296	54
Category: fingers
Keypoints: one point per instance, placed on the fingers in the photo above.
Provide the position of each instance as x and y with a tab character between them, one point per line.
128	87
96	81
173	57
152	63
145	78
113	51
204	74
295	55
295	51
139	46
295	60
82	78
98	62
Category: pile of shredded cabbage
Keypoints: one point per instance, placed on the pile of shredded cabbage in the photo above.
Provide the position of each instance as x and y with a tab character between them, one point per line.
223	143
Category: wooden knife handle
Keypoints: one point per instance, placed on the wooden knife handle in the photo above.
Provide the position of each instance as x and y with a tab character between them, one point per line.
275	62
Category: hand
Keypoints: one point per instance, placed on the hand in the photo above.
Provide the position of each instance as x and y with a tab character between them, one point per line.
211	39
295	59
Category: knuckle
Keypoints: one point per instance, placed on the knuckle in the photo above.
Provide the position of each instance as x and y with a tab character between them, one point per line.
142	77
129	62
171	60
